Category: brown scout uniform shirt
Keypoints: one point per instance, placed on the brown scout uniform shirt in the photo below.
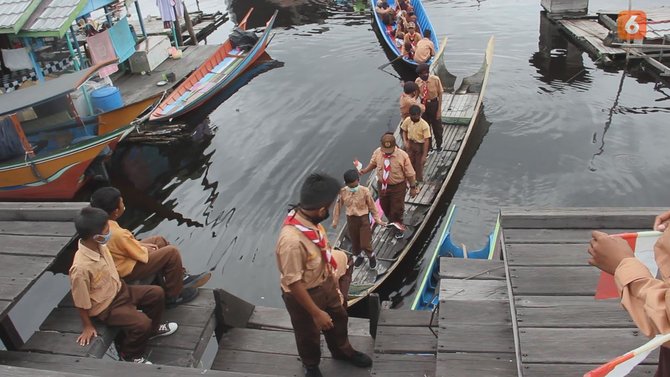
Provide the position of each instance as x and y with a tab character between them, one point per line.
125	248
358	203
406	101
93	279
424	50
434	86
401	166
417	132
298	258
413	39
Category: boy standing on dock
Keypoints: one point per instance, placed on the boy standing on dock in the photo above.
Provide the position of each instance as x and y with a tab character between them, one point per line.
307	270
416	139
394	173
97	291
139	260
359	205
645	298
409	97
430	89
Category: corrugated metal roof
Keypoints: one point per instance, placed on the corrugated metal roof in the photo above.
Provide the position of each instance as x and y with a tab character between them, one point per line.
52	17
14	13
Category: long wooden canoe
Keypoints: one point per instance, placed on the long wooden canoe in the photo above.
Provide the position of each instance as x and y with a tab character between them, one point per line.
388	31
460	110
227	63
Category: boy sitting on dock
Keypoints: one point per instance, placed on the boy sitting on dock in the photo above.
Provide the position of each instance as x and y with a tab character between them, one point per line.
140	260
97	291
416	139
645	298
307	276
359	205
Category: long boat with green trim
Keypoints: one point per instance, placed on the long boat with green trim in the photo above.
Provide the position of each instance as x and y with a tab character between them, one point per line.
428	295
461	107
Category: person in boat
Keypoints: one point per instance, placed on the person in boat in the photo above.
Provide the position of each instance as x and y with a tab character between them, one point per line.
309	288
409	97
407	50
645	298
140	260
412	36
385	12
359	205
400	27
425	49
416	139
97	291
404	5
430	90
394	173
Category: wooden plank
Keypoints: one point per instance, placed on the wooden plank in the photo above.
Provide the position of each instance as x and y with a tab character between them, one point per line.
189	315
9	371
556	281
472	290
66	344
278	319
475	364
580	218
42	228
280	365
463	312
406	318
40	211
554	235
11	288
394	339
582	311
104	368
391	365
472	269
562	370
579	345
541	254
32	245
187	338
476	338
21	266
66	320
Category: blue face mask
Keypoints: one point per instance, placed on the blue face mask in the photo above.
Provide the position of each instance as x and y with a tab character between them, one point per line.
104	238
353	189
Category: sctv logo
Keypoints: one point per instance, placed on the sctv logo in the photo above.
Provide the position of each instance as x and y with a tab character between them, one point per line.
632	25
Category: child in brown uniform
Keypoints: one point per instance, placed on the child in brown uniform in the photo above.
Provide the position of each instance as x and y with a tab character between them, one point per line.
416	139
97	291
359	205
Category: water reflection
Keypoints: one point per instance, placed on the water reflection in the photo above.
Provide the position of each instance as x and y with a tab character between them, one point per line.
293	12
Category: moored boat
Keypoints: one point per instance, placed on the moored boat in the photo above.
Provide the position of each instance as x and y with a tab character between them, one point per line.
460	111
427	295
227	63
388	31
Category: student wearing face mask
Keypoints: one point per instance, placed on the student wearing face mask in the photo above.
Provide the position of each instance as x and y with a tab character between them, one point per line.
307	276
359	205
97	291
430	90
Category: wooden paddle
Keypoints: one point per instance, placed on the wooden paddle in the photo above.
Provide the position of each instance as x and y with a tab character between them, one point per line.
389	63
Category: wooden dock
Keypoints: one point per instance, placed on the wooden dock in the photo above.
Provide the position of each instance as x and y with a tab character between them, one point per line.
32	236
135	87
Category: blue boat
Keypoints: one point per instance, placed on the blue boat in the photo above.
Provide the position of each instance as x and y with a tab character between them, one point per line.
387	31
427	296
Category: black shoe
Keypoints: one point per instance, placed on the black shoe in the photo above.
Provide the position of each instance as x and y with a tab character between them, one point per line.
358	359
187	295
313	372
196	281
373	263
359	261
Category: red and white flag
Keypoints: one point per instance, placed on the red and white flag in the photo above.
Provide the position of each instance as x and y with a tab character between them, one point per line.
624	364
642	244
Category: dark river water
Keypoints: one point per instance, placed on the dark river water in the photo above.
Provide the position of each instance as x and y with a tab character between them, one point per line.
560	132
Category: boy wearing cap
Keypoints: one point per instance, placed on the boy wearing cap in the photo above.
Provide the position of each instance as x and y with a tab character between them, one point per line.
412	36
307	275
359	205
394	173
416	139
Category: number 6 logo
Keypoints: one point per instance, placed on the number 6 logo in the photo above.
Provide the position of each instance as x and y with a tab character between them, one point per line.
632	25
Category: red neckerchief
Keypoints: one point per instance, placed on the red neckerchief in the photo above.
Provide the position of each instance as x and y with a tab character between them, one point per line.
386	171
424	92
314	235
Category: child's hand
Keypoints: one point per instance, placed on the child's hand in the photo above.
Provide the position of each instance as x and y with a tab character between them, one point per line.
382	223
607	252
334	225
661	221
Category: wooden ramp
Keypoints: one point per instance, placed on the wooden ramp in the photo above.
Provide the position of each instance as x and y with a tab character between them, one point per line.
475	336
590	34
261	341
562	329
